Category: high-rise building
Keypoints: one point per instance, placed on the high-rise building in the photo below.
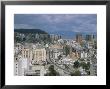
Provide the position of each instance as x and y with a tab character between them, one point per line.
89	37
55	37
79	38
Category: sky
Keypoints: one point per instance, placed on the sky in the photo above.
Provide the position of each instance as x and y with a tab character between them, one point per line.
66	25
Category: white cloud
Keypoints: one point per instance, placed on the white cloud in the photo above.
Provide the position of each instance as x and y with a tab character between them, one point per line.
58	18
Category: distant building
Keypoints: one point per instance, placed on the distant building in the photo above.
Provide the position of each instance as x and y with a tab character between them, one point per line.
90	45
90	37
79	38
54	37
37	36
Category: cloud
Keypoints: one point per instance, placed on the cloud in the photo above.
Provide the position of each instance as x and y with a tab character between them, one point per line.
86	25
18	26
55	23
86	28
58	18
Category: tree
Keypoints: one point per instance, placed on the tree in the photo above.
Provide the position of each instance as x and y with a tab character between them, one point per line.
52	72
76	73
51	68
67	50
85	66
88	72
88	64
76	64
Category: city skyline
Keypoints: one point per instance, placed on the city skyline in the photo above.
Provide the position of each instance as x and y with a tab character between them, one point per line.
67	25
55	45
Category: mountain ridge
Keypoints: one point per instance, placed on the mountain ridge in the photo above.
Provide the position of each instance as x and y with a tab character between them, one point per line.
22	30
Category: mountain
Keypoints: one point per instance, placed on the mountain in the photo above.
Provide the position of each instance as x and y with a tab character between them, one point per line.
30	31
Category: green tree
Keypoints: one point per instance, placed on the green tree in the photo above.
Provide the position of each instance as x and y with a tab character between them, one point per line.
85	66
76	64
76	73
88	72
52	72
88	64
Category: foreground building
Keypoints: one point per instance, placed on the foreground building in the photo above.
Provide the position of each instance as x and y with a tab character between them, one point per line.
38	54
26	58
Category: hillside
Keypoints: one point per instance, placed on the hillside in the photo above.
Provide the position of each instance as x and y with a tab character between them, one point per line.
30	31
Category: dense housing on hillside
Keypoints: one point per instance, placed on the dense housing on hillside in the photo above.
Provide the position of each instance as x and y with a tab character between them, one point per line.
43	54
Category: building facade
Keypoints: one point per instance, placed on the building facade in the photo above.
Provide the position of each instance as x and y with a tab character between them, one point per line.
79	38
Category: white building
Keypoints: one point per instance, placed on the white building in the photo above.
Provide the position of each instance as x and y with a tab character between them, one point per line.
83	55
19	46
90	45
55	53
36	70
20	66
38	54
24	58
39	69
